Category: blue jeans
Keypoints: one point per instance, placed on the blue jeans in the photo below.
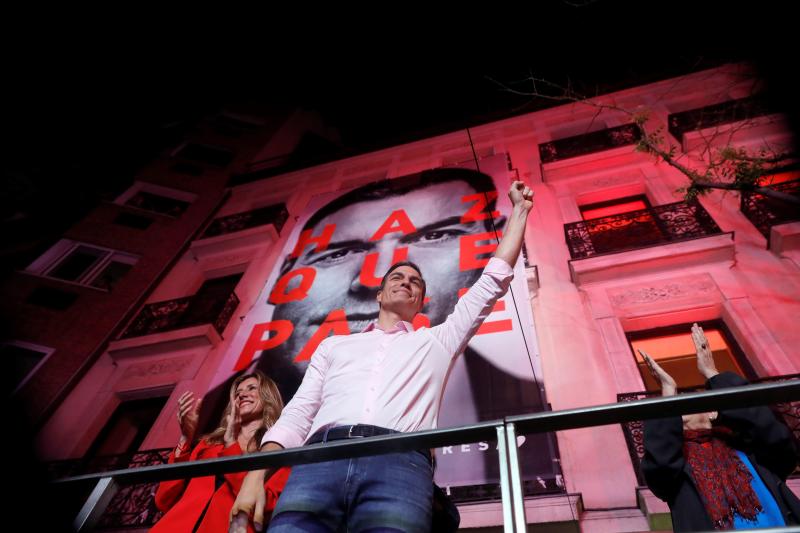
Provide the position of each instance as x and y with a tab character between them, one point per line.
383	493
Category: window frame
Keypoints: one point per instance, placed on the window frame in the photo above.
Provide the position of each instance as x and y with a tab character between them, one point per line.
61	251
614	201
738	355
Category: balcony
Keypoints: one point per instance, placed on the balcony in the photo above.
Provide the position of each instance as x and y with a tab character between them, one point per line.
662	238
588	143
515	512
170	315
717	115
765	213
271	214
133	507
654	226
244	232
634	429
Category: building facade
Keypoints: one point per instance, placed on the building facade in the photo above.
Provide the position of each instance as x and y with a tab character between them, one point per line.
170	287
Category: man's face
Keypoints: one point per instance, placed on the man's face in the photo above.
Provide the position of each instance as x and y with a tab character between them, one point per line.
435	213
402	292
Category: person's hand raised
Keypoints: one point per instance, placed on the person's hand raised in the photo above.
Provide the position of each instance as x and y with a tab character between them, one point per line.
188	416
668	387
705	358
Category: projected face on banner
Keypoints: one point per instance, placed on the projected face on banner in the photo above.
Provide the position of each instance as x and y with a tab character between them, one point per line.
329	282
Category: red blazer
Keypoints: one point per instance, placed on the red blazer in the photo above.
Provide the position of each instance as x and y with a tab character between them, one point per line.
184	500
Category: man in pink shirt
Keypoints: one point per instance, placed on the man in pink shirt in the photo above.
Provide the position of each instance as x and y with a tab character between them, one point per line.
389	378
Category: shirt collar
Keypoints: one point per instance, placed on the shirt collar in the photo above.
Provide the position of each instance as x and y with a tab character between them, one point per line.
402	325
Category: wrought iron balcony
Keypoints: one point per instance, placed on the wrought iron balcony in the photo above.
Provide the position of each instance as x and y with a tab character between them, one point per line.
765	212
182	313
718	114
271	214
589	143
134	505
680	221
634	429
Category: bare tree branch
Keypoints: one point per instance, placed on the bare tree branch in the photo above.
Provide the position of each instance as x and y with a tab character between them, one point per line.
732	169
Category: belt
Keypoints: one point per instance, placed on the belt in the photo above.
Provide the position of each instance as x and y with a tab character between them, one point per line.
355	431
348	432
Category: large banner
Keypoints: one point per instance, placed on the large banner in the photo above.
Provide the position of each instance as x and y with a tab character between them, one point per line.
446	221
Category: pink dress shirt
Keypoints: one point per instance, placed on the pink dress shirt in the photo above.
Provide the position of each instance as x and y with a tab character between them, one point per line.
393	379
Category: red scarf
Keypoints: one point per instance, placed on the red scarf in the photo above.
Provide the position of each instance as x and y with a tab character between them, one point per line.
722	479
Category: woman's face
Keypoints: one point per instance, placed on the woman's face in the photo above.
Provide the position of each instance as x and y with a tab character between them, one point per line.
248	399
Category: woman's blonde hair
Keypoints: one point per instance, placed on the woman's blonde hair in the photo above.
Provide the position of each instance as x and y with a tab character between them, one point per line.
271	403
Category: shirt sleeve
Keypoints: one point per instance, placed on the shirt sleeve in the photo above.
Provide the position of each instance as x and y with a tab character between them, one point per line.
291	429
663	460
473	308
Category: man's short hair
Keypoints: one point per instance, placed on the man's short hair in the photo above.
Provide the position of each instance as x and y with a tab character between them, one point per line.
398	265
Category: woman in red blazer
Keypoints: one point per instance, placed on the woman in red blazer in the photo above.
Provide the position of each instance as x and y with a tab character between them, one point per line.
203	504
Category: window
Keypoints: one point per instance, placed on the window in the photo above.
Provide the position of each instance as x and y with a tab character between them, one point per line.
781	176
157	199
23	359
614	207
588	143
124	432
272	214
673	349
213	303
84	264
765	211
718	114
210	299
621	223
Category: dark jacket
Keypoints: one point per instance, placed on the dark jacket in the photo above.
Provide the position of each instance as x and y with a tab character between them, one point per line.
767	442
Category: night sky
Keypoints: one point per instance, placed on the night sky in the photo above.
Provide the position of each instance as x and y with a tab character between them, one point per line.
88	104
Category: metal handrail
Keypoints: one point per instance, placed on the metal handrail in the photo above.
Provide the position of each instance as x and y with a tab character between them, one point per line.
313	453
512	498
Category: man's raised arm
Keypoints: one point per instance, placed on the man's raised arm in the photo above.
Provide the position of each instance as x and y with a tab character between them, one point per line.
473	308
510	245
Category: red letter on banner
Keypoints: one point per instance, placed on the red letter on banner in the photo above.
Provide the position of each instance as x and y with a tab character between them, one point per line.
397	221
367	276
495	326
279	295
255	342
335	322
470	250
321	241
476	212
